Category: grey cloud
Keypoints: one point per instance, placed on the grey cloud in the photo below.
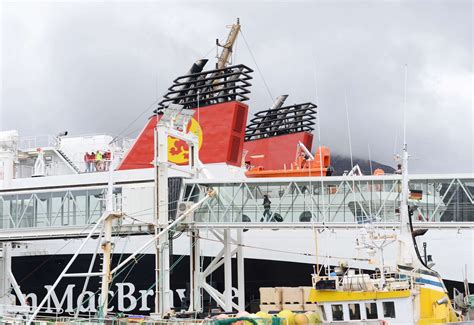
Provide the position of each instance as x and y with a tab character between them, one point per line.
93	67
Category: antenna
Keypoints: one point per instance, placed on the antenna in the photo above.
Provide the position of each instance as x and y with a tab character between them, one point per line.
405	151
370	159
405	109
348	127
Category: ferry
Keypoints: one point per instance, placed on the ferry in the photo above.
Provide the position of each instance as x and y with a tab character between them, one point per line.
51	194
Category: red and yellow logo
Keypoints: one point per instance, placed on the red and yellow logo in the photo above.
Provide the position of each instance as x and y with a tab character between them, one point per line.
178	152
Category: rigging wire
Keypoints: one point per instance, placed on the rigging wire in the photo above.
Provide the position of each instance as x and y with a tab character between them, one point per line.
52	255
272	100
209	52
350	151
148	108
69	241
280	250
136	119
348	127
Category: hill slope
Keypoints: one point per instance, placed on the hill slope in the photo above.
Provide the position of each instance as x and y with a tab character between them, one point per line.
343	163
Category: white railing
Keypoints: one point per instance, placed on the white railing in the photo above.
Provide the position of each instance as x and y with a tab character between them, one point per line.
39	141
48	140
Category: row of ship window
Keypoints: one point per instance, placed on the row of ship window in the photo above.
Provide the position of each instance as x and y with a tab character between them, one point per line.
371	312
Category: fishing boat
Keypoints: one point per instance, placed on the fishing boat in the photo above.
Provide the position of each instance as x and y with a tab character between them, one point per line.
406	291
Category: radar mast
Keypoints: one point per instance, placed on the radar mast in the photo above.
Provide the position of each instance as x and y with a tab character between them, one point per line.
223	58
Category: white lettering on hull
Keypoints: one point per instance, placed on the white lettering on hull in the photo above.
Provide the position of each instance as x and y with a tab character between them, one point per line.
126	299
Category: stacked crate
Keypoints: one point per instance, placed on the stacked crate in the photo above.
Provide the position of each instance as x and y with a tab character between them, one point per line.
292	298
308	305
270	299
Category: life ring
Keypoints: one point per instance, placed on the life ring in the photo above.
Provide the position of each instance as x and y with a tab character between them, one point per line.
100	166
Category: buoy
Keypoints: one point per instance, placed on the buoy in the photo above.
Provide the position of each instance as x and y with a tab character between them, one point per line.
264	318
288	316
313	317
262	314
301	319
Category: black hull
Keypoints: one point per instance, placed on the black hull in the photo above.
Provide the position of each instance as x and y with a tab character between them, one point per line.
33	273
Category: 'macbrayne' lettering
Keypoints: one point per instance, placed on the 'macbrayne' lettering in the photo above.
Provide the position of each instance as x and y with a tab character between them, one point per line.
128	299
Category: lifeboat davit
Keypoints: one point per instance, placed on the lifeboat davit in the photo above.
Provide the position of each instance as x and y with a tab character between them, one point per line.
303	166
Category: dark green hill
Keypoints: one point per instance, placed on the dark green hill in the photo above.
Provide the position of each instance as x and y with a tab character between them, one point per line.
343	163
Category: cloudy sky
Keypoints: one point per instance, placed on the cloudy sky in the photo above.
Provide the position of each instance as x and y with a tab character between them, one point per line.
93	67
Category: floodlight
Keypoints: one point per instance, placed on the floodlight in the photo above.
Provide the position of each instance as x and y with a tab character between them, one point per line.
170	113
183	118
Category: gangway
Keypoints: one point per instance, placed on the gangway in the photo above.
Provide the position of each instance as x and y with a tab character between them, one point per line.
438	200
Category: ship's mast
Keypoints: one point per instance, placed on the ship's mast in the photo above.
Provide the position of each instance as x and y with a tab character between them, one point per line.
406	247
405	239
227	47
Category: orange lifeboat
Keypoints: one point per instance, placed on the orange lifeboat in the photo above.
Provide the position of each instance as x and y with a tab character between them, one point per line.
379	172
303	166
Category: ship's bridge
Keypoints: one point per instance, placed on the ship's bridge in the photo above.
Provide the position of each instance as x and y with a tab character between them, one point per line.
345	199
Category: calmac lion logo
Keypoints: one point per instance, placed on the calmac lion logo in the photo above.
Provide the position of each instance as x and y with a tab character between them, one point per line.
178	149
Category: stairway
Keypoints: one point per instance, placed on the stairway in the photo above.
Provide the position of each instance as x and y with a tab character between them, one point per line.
68	161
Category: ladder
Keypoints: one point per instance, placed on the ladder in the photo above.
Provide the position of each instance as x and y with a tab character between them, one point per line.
68	161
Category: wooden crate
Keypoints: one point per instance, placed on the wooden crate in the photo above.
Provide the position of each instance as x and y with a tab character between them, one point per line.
268	308
311	307
293	307
292	295
270	296
306	293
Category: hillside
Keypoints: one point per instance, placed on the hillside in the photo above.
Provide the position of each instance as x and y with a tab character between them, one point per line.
343	163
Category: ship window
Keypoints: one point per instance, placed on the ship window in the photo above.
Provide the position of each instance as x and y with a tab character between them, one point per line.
388	309
337	313
371	310
322	313
354	311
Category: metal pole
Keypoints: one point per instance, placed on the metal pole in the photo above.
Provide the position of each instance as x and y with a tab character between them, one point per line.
7	277
55	284
240	271
106	260
86	282
107	246
157	252
163	287
196	273
171	225
227	271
